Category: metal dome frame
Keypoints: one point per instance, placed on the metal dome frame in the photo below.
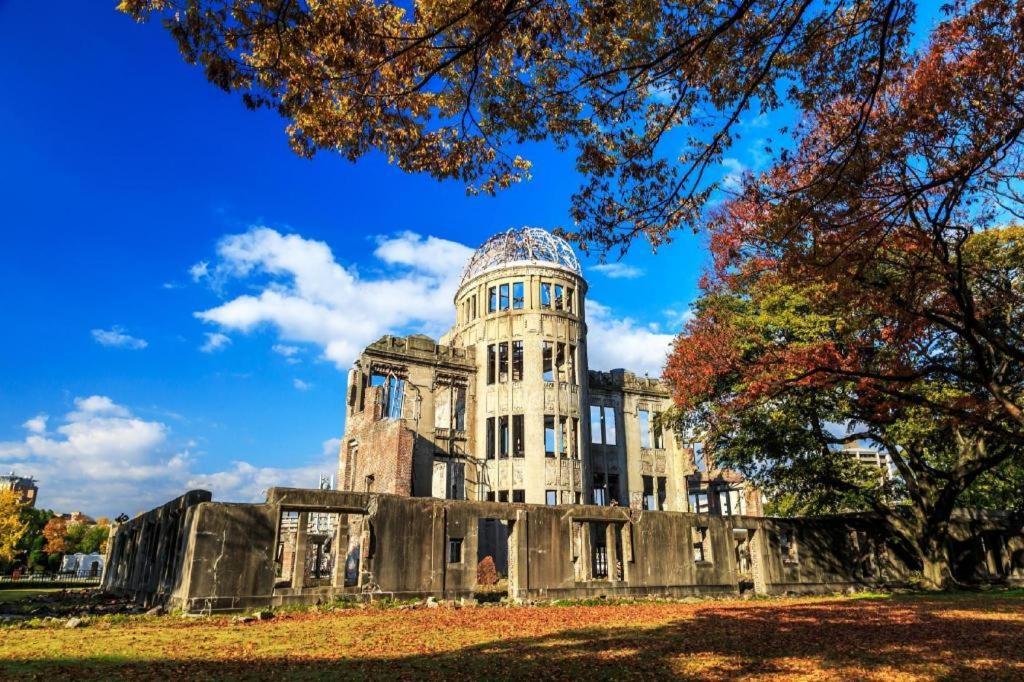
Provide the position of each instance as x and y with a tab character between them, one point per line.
526	245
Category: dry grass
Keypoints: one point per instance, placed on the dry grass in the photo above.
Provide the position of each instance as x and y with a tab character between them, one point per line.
912	637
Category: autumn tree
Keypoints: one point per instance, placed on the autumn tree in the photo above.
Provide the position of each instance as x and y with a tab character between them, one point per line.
55	532
454	87
892	301
12	527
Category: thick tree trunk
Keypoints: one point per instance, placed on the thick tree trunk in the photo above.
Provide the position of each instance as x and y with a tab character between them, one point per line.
936	569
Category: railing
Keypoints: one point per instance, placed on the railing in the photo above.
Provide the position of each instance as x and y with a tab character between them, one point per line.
84	577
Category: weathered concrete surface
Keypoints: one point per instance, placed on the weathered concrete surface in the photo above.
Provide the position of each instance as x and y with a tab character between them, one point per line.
144	554
227	556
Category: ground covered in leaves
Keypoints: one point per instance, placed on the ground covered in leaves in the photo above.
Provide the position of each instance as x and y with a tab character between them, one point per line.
905	637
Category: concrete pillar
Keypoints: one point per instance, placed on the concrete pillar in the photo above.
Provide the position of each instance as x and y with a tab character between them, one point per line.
518	570
299	560
757	542
613	552
340	551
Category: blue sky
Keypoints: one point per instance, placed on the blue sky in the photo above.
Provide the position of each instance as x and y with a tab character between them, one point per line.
182	293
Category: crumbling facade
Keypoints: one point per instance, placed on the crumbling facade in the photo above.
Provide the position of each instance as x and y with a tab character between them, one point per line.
504	407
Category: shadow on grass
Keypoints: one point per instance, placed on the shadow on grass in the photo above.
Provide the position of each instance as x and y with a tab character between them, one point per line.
977	639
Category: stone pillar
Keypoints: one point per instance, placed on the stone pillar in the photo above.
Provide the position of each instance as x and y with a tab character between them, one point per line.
299	560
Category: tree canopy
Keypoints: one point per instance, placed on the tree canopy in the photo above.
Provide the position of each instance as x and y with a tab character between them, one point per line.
647	95
892	301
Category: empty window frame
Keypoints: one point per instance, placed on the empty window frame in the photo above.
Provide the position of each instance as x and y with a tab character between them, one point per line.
566	437
492	361
559	297
517	361
503	297
549	435
518	437
472	307
551	497
600	494
613	489
459	418
519	496
492	299
602	425
455	550
545	295
699	501
502	496
548	361
650	501
569	299
596	432
701	551
391	395
490	438
503	362
518	296
503	437
659	432
662	492
730	502
563	363
644	417
599	550
787	547
489	496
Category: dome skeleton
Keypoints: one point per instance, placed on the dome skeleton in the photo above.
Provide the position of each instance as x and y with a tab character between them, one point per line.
521	245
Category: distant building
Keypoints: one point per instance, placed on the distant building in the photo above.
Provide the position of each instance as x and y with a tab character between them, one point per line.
870	456
21	484
83	565
79	518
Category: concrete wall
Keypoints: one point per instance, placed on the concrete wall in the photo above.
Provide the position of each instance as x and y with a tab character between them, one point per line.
414	547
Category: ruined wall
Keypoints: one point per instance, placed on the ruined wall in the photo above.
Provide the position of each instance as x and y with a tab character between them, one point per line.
145	554
231	556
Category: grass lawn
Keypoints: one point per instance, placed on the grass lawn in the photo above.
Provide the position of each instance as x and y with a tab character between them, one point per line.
17	594
907	637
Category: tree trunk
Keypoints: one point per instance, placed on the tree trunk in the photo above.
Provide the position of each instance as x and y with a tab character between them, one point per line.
936	569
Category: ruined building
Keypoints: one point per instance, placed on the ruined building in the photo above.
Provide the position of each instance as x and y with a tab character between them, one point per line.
498	440
505	407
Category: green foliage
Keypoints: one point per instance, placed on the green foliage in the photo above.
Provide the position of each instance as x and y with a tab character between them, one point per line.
94	539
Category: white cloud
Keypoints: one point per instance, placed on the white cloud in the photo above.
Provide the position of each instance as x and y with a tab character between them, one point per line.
618	270
103	460
677	318
733	180
199	271
285	350
215	341
36	424
115	337
245	482
622	342
307	296
301	385
331	447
